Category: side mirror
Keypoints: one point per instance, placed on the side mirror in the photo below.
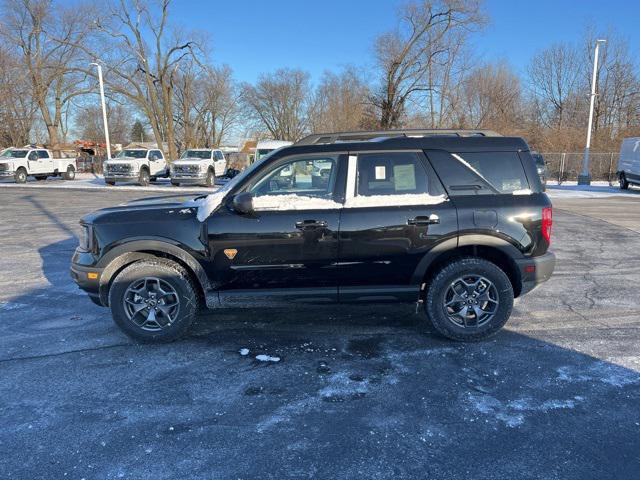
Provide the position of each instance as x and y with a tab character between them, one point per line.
243	203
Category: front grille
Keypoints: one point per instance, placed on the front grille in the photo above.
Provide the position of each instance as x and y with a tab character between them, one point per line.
4	167
118	168
186	169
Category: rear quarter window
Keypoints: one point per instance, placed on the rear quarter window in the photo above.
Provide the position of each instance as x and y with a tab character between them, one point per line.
469	173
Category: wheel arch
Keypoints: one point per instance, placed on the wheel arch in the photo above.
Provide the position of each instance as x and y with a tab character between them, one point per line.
122	256
494	249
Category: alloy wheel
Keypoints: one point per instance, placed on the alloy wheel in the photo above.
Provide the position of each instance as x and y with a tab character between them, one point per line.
471	301
151	303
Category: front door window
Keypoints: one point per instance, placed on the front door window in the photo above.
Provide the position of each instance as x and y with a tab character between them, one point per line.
303	183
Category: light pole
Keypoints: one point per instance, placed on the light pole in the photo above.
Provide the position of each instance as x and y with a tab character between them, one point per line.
104	110
585	177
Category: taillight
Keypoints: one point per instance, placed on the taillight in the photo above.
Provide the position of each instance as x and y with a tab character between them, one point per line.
547	222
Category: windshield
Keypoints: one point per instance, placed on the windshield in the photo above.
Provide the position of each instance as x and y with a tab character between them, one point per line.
201	154
11	153
132	154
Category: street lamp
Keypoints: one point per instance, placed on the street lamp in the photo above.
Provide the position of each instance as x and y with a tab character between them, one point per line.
104	110
585	177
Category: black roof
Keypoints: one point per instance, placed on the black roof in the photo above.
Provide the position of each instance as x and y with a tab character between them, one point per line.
447	143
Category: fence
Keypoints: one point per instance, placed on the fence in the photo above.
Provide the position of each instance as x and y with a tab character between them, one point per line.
563	167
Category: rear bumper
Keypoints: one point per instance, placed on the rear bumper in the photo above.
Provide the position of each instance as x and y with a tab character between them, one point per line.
536	270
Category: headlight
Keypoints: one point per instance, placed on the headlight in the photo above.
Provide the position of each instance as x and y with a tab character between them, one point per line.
86	237
172	169
203	167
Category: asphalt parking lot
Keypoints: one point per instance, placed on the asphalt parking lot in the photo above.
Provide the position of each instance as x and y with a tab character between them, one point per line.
359	392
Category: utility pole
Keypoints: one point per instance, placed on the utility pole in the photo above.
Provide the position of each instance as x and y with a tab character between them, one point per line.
585	177
104	110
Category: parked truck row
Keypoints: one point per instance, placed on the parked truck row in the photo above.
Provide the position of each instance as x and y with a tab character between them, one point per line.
141	165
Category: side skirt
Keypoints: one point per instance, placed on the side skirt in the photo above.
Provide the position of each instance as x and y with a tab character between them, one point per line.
283	297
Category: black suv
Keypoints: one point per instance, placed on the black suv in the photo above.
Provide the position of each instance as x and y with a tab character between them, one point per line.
454	221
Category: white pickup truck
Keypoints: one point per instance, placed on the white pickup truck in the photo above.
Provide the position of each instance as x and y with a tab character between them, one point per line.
19	163
198	166
141	165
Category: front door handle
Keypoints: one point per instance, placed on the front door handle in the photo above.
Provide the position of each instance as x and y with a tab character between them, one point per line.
424	220
311	224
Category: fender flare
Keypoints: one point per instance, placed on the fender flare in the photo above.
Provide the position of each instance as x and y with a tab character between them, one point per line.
135	250
468	240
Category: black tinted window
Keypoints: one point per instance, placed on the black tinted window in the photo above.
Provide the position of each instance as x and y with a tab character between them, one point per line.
501	170
43	154
393	173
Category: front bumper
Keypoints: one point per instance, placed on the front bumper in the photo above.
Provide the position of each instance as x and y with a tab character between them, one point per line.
7	173
121	177
189	178
535	270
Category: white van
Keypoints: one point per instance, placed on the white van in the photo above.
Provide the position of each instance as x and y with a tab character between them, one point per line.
629	163
265	147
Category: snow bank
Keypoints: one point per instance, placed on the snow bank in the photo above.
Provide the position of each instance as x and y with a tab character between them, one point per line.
394	200
293	202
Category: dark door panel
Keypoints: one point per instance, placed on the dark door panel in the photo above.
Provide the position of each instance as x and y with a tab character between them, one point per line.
379	246
274	249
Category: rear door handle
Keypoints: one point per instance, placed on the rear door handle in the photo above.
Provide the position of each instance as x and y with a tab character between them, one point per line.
311	224
424	220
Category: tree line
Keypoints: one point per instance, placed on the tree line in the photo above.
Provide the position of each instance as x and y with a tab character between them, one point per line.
424	73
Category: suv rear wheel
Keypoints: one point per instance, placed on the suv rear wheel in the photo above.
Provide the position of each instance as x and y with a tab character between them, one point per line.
153	300
469	299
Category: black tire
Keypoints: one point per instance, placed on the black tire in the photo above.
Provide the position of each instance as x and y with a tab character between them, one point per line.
40	178
166	271
211	178
624	183
143	177
153	179
20	176
70	174
175	184
110	183
442	283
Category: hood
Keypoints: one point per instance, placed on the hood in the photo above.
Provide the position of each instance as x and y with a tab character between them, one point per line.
123	160
150	209
189	161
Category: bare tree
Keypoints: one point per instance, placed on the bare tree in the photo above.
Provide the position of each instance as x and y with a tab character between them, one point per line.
207	101
491	98
407	55
45	35
339	102
17	109
89	125
556	76
142	55
278	103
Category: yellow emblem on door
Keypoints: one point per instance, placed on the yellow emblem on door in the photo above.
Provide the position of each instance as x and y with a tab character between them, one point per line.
230	253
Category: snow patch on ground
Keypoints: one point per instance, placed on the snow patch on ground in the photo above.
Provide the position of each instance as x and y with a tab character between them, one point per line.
595	190
267	358
602	372
244	352
512	413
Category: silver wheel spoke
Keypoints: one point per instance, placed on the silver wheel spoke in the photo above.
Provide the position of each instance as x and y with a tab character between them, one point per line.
151	303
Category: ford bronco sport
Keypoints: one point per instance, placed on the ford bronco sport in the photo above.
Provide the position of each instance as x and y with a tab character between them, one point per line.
454	221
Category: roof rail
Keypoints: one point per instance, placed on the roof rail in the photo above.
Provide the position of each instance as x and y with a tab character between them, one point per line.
376	135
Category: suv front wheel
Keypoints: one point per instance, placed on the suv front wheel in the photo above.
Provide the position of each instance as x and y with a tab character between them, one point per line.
469	299
153	300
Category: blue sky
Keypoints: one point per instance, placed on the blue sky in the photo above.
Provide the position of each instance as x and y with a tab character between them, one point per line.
259	36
